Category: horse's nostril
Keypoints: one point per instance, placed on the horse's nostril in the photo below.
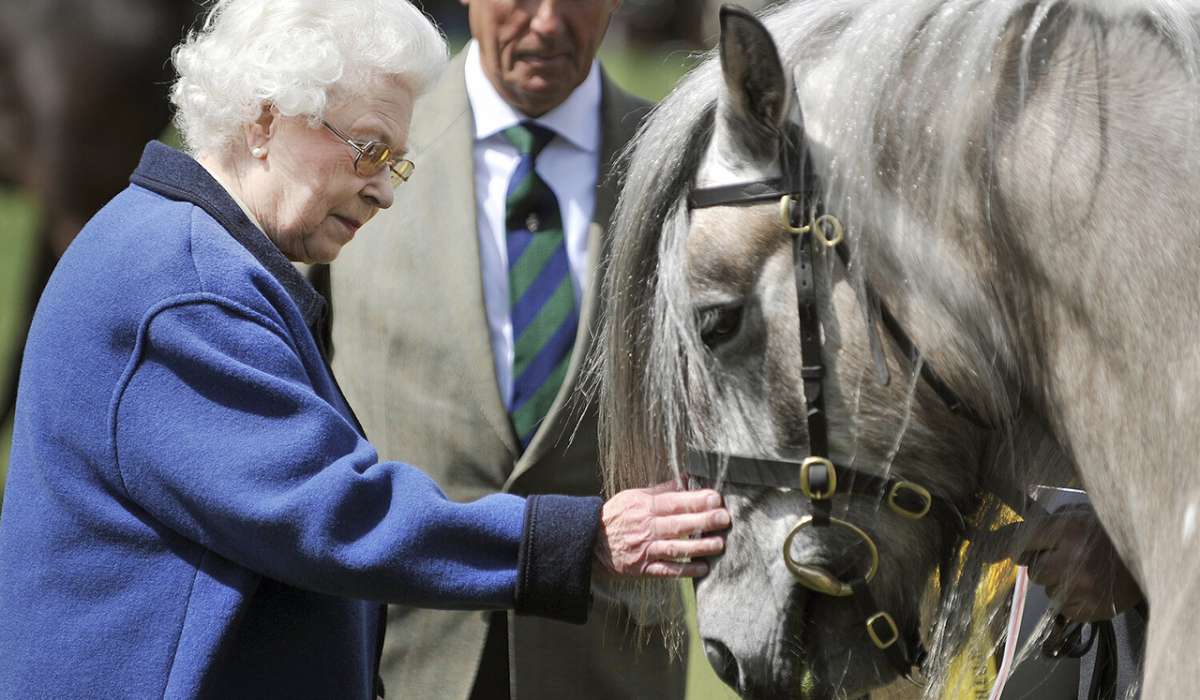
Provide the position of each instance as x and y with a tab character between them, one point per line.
723	661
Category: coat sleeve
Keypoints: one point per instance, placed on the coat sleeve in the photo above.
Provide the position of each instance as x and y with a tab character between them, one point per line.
219	435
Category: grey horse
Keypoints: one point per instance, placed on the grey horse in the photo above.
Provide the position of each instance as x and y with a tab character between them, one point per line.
1018	183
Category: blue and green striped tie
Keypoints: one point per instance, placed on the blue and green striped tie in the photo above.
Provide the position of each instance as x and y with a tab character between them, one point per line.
541	299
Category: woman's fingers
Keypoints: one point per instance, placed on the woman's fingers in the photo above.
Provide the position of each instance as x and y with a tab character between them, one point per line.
676	526
1069	554
664	487
672	569
677	502
686	549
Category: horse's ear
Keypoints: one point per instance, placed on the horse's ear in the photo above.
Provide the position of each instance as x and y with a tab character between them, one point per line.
758	91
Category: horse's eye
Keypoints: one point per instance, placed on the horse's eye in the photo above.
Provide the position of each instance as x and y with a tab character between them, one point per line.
719	324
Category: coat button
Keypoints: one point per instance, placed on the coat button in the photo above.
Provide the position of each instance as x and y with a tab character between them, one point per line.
532	223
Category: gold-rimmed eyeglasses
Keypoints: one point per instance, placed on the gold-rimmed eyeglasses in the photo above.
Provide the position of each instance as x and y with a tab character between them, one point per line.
373	156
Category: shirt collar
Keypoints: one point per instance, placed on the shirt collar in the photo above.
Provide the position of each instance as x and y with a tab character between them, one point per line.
178	176
574	119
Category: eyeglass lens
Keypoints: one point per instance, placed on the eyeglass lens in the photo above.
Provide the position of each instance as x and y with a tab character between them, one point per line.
374	157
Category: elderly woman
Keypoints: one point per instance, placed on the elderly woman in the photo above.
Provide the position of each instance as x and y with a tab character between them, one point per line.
192	509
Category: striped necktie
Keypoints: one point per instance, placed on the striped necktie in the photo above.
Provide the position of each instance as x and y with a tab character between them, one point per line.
541	298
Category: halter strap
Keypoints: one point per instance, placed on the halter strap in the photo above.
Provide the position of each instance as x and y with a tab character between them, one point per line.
909	349
905	497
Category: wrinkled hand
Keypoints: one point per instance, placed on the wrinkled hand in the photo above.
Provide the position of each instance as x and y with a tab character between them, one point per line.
643	531
1071	556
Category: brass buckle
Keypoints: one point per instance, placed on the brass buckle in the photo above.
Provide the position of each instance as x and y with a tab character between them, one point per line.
817	579
920	491
882	644
817	226
805	466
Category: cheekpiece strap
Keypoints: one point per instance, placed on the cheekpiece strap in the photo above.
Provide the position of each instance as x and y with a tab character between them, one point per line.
905	654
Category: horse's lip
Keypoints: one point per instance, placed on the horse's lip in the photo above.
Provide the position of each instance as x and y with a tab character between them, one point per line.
800	613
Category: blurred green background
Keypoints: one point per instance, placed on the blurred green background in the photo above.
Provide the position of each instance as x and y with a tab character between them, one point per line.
18	217
649	73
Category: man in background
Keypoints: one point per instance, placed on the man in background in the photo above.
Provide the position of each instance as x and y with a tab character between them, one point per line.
475	298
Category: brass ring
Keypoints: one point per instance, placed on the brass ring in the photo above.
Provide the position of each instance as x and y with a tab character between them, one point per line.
839	232
817	579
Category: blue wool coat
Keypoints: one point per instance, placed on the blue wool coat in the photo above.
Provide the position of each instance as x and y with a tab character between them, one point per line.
191	509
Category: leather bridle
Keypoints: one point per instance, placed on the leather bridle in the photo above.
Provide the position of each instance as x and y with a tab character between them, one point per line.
818	478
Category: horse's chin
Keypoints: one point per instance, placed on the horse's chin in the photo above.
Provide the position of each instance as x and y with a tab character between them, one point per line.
817	650
822	681
827	661
810	681
819	682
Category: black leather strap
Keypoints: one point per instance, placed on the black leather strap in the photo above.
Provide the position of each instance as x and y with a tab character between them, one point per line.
812	362
747	471
1103	685
910	351
781	473
740	193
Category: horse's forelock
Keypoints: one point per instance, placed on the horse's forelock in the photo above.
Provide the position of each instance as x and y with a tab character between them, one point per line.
642	411
638	377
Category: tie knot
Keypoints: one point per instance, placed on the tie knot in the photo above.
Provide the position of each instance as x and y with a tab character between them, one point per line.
529	138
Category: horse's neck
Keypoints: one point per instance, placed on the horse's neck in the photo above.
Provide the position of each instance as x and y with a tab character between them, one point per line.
1022	454
1099	234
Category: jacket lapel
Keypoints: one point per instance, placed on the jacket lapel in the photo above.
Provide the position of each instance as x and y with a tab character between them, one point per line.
444	147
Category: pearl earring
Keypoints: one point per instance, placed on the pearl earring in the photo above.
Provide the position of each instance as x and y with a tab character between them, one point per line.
258	151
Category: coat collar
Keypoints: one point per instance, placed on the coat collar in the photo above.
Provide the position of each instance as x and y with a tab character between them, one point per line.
178	176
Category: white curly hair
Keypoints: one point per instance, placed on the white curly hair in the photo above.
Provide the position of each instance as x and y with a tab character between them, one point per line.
302	56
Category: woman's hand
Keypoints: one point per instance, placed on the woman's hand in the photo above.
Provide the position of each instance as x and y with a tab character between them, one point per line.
1071	556
645	532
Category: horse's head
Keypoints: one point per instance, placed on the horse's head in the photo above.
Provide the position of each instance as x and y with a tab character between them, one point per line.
768	627
717	306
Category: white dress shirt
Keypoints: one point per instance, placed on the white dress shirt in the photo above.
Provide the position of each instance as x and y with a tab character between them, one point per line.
569	165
